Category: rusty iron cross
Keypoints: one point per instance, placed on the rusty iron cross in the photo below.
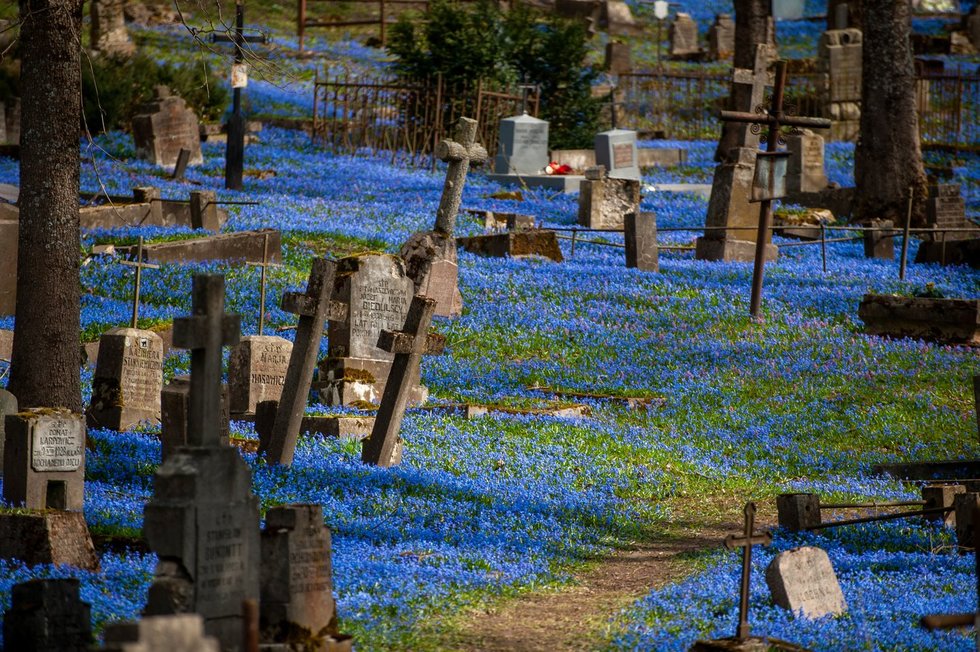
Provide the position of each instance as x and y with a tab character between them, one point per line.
745	541
265	264
775	119
137	279
205	332
460	154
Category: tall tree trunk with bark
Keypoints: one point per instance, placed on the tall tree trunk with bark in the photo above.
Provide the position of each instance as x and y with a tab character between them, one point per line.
888	159
752	25
45	362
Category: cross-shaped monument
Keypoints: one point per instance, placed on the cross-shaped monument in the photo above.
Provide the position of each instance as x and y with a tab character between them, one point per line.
265	264
459	153
745	541
774	118
757	79
408	345
137	278
314	307
205	332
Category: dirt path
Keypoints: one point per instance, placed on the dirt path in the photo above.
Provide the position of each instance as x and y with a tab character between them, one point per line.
576	617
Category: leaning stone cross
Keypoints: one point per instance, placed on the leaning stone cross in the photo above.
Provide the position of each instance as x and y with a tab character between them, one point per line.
748	539
140	266
408	345
205	332
313	307
759	77
460	153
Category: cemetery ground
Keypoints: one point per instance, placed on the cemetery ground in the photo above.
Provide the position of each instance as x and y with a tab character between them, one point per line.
525	530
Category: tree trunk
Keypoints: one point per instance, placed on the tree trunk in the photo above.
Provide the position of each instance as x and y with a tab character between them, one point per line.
752	26
887	159
45	362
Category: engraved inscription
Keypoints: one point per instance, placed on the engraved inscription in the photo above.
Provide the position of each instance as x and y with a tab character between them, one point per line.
530	136
57	444
142	372
309	562
220	579
377	304
267	372
622	155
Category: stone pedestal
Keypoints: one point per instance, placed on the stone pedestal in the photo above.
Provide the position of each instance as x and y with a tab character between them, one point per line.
257	371
603	202
349	381
44	459
47	615
163	127
797	512
177	633
128	379
47	537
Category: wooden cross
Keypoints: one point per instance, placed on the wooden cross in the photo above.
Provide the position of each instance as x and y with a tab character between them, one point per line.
408	345
774	119
748	539
205	333
460	154
758	78
264	264
139	265
952	621
313	307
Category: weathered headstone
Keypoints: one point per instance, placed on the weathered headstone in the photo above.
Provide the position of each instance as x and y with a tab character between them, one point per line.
128	379
297	585
47	616
523	146
803	581
618	58
203	519
174	413
44	459
798	511
384	447
721	37
683	37
946	209
840	62
109	35
163	127
616	151
176	633
603	202
8	266
879	240
942	495
640	231
257	371
616	17
377	294
805	168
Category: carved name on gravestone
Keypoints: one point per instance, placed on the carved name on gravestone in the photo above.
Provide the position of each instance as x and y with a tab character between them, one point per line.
805	168
47	615
163	127
721	37
523	146
176	633
616	151
297	585
128	379
946	209
604	202
840	54
44	459
377	293
684	36
803	581
257	371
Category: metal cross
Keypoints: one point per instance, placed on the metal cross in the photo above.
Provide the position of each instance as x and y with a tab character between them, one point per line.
205	333
313	307
460	153
137	278
408	345
748	539
774	118
264	264
525	88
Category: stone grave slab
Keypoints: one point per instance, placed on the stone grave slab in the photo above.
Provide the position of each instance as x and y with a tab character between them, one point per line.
683	36
257	371
502	221
952	321
805	168
44	459
128	379
616	151
803	581
603	202
339	426
523	146
47	537
431	262
243	246
174	414
640	231
176	633
47	615
957	252
8	266
163	127
721	38
616	17
515	244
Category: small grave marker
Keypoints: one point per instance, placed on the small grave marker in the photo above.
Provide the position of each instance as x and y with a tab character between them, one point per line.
603	201
683	35
47	615
721	37
173	415
176	633
640	230
383	447
802	580
163	127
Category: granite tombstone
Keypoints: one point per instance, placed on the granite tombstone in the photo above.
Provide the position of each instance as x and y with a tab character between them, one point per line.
523	146
802	580
163	127
128	379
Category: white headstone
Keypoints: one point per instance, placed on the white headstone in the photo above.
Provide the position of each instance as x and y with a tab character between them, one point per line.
803	581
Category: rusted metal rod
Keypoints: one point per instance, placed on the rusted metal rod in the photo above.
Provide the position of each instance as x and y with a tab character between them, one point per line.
887	503
947	621
881	517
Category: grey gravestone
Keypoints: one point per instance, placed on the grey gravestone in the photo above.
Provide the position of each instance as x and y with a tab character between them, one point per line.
377	293
603	203
840	52
163	127
6	344
244	246
616	16
177	633
616	151
684	36
523	146
257	371
8	406
128	379
431	262
203	519
640	231
946	208
8	266
721	37
879	240
174	413
297	586
109	35
805	168
798	512
47	616
44	459
803	581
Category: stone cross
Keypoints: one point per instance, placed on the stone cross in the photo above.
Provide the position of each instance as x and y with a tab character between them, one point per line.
774	118
758	78
139	265
748	539
205	332
460	153
313	307
408	345
262	283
